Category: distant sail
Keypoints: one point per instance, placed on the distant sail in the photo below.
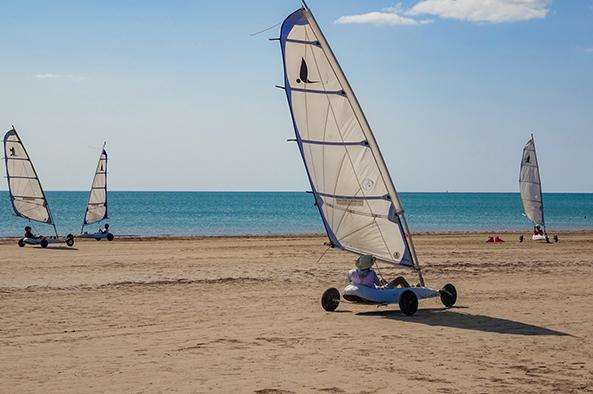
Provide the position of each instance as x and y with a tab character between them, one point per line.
353	190
26	194
530	185
96	209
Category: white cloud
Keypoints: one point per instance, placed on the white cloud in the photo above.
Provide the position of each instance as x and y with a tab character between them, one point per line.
491	11
69	77
46	76
590	50
381	18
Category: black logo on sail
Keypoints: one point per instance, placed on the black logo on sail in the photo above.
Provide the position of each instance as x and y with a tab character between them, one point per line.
304	73
527	159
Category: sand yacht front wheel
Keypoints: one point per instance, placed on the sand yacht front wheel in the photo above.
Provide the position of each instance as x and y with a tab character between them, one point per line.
448	295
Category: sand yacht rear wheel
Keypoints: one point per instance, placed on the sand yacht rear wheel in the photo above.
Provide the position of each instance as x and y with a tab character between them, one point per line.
330	299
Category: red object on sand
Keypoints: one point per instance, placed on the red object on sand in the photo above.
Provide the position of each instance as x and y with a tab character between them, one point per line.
498	239
490	239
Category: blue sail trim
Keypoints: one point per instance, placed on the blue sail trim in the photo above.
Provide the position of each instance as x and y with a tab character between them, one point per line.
294	19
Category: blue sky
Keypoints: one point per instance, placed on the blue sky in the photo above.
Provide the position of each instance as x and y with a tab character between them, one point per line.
185	96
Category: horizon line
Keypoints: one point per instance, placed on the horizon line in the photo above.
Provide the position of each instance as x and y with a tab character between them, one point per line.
299	191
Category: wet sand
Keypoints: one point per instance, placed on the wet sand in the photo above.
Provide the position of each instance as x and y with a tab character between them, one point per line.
242	314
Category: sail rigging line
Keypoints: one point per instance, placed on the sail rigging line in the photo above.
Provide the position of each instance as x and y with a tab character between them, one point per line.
333	112
265	30
322	254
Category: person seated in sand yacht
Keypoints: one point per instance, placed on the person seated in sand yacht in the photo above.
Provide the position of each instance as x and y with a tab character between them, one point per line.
364	275
106	230
537	230
29	233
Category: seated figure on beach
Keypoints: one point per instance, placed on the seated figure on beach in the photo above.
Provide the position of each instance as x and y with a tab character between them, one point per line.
364	275
105	230
537	230
29	233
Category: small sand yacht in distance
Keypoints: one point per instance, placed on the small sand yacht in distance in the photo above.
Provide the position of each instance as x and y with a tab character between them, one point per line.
96	207
530	187
26	194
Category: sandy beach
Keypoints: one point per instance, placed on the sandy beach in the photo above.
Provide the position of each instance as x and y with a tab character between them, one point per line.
242	314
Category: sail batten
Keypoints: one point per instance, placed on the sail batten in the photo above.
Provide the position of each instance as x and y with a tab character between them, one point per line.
26	194
530	185
96	209
353	190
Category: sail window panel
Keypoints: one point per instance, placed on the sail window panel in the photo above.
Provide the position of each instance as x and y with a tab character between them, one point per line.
362	235
364	225
99	181
95	214
20	168
98	196
15	150
344	170
529	174
308	61
325	118
25	188
32	209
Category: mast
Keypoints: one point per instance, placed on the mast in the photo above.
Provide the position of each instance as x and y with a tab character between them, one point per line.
370	137
541	195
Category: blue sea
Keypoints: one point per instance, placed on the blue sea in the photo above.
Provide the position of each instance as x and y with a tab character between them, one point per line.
259	213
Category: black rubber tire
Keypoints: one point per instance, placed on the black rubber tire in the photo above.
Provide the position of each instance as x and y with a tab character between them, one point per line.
330	299
21	242
44	243
110	237
69	236
448	295
408	303
97	239
70	242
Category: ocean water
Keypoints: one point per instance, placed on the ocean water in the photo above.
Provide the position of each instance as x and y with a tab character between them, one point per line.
257	213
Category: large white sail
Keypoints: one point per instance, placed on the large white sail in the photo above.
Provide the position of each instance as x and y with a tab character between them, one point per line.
26	193
530	185
96	209
353	190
